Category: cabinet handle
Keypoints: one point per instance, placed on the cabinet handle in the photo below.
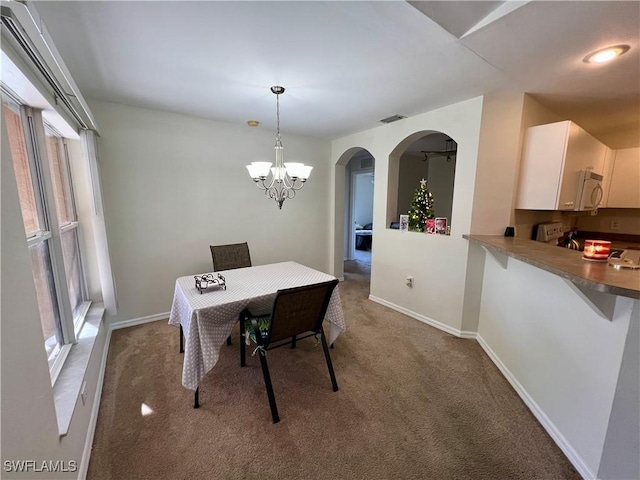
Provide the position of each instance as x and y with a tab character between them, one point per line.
568	204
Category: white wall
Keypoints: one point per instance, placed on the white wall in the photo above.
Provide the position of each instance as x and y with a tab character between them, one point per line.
437	263
620	457
173	185
564	356
441	182
498	163
29	425
411	170
363	199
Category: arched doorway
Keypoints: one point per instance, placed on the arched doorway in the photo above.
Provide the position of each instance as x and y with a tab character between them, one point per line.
355	176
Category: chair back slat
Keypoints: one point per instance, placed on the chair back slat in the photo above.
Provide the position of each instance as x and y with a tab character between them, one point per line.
230	257
300	309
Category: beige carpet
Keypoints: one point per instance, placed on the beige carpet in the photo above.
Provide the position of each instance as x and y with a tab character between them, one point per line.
414	403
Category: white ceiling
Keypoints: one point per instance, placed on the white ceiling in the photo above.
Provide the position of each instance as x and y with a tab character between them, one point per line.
346	65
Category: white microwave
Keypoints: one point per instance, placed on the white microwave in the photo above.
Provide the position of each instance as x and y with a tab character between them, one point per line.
589	191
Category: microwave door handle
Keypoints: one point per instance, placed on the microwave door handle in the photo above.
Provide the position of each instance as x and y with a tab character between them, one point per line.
597	192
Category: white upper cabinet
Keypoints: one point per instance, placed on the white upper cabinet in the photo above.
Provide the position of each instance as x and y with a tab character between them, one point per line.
622	184
552	157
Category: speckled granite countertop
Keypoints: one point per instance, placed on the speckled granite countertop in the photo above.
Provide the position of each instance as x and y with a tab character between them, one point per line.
565	263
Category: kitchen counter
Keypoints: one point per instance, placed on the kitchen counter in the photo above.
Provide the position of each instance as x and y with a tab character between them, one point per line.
566	263
565	333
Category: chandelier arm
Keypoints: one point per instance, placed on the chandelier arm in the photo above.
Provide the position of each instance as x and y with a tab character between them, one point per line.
300	185
260	184
271	183
287	182
270	192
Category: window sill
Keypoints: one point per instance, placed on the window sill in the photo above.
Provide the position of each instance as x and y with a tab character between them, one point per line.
69	382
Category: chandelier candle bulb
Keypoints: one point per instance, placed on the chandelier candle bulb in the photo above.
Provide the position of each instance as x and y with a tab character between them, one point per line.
259	169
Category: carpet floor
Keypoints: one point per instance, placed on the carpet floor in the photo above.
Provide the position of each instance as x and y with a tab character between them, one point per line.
414	403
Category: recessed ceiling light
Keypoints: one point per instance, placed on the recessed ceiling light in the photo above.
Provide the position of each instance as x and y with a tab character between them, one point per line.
253	123
606	54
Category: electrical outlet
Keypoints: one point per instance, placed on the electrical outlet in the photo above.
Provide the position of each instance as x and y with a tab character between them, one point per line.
615	224
409	282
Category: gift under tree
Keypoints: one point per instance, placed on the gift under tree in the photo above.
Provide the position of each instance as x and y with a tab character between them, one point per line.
421	208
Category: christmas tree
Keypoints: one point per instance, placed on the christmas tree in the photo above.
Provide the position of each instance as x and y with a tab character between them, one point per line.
421	207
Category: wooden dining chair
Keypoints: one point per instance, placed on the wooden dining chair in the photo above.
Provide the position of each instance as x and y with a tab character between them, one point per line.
226	257
297	314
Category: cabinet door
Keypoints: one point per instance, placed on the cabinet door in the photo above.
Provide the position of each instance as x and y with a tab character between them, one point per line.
594	154
578	149
541	167
624	189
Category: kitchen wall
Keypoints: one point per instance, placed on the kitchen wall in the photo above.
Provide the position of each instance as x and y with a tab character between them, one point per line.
525	220
174	184
626	219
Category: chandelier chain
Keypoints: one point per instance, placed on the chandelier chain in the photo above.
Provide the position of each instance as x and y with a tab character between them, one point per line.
278	115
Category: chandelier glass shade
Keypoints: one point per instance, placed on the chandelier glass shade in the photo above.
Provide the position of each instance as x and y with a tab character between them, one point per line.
284	179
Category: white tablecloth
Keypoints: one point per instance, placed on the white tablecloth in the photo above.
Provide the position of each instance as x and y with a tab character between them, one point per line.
208	318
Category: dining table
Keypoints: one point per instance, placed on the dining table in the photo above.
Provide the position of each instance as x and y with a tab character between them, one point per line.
208	316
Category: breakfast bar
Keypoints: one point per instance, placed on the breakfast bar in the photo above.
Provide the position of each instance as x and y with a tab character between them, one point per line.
565	332
568	264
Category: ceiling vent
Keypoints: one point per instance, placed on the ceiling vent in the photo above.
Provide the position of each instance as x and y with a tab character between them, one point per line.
393	118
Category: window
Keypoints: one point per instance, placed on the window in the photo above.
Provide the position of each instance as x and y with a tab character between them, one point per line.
68	223
45	192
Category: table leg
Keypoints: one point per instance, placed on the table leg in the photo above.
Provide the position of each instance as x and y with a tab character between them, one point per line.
181	340
196	403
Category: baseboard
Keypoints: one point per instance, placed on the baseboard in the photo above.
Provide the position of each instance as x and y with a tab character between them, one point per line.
429	321
93	419
542	418
468	334
138	321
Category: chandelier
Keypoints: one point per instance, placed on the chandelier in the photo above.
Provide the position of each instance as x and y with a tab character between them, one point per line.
283	180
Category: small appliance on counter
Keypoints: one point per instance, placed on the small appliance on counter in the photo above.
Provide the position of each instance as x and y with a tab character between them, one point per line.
628	259
548	232
569	241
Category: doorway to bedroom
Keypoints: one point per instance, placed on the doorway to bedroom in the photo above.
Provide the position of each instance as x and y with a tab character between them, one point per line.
358	245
